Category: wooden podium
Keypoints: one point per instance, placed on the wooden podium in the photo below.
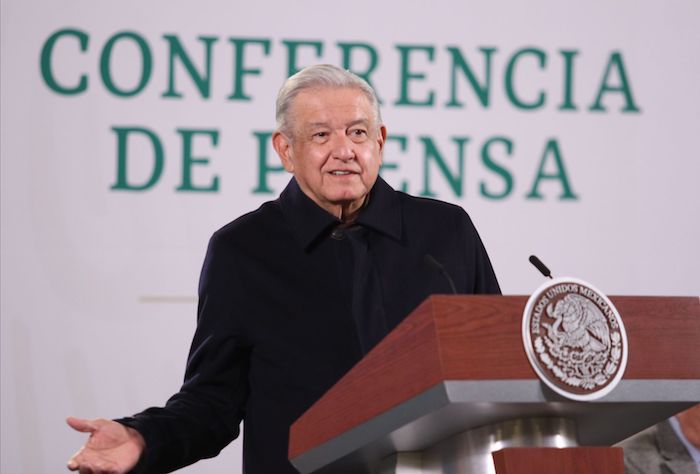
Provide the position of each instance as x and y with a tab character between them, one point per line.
452	384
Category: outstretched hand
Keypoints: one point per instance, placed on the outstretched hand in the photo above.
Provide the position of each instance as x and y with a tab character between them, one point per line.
111	449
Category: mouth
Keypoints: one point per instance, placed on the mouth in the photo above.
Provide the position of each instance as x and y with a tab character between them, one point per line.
342	173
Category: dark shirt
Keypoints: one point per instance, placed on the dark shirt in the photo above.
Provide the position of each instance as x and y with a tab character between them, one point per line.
282	297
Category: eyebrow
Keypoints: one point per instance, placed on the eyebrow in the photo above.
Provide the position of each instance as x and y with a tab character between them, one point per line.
359	121
347	125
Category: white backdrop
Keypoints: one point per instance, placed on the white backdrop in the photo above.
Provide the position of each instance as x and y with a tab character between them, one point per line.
99	283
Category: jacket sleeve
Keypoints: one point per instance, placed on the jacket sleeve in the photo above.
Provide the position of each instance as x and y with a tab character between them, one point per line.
204	416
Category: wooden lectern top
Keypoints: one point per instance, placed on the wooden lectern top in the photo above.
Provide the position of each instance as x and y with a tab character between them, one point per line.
458	362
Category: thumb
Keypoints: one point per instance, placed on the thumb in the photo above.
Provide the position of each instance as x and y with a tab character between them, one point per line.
82	425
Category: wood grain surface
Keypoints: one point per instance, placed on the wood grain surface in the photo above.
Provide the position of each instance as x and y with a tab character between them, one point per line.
559	461
473	337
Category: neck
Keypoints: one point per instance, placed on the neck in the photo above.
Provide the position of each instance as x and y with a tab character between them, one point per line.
348	213
348	216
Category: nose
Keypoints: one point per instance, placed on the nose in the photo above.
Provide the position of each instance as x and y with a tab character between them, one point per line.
341	147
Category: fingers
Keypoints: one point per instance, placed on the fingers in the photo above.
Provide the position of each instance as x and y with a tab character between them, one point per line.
110	449
82	425
84	463
77	461
73	464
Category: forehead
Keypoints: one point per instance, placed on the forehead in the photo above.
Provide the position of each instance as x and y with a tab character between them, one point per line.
330	105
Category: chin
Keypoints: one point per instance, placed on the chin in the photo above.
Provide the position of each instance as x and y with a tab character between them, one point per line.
347	198
346	194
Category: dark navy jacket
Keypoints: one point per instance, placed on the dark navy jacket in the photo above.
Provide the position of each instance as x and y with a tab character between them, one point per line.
277	324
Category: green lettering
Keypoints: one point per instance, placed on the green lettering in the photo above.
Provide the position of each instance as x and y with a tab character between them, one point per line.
481	89
486	157
45	62
510	78
123	134
188	160
402	140
346	50
432	154
292	49
264	168
146	64
407	75
558	174
615	63
568	100
239	70
201	80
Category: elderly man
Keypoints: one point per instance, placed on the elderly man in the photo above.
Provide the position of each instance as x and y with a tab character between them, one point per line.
293	294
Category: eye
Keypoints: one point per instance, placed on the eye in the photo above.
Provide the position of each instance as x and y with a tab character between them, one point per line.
320	136
358	134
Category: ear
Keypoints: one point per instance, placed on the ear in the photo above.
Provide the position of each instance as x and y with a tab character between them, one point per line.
381	139
283	147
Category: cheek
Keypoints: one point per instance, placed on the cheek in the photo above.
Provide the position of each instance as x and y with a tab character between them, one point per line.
371	160
315	158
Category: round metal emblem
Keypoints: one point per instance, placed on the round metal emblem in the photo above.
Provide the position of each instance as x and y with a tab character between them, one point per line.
574	339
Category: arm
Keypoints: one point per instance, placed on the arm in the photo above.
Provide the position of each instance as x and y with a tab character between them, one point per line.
204	416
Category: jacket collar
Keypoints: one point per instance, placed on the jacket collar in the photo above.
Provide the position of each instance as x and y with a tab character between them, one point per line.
310	222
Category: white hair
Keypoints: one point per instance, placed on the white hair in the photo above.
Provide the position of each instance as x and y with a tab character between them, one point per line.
321	75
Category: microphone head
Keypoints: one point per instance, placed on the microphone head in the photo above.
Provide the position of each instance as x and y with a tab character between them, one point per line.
540	266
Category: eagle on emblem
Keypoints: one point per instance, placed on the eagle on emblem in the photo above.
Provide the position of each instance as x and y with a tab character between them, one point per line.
579	324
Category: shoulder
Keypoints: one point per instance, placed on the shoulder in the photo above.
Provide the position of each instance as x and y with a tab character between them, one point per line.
254	224
248	235
234	245
439	215
421	203
430	209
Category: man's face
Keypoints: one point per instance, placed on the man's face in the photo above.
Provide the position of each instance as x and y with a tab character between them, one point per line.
335	147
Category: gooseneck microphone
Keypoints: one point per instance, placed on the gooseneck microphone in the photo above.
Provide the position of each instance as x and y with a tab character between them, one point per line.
433	264
540	266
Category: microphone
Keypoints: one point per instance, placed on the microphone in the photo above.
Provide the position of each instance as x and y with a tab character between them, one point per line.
540	266
433	264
